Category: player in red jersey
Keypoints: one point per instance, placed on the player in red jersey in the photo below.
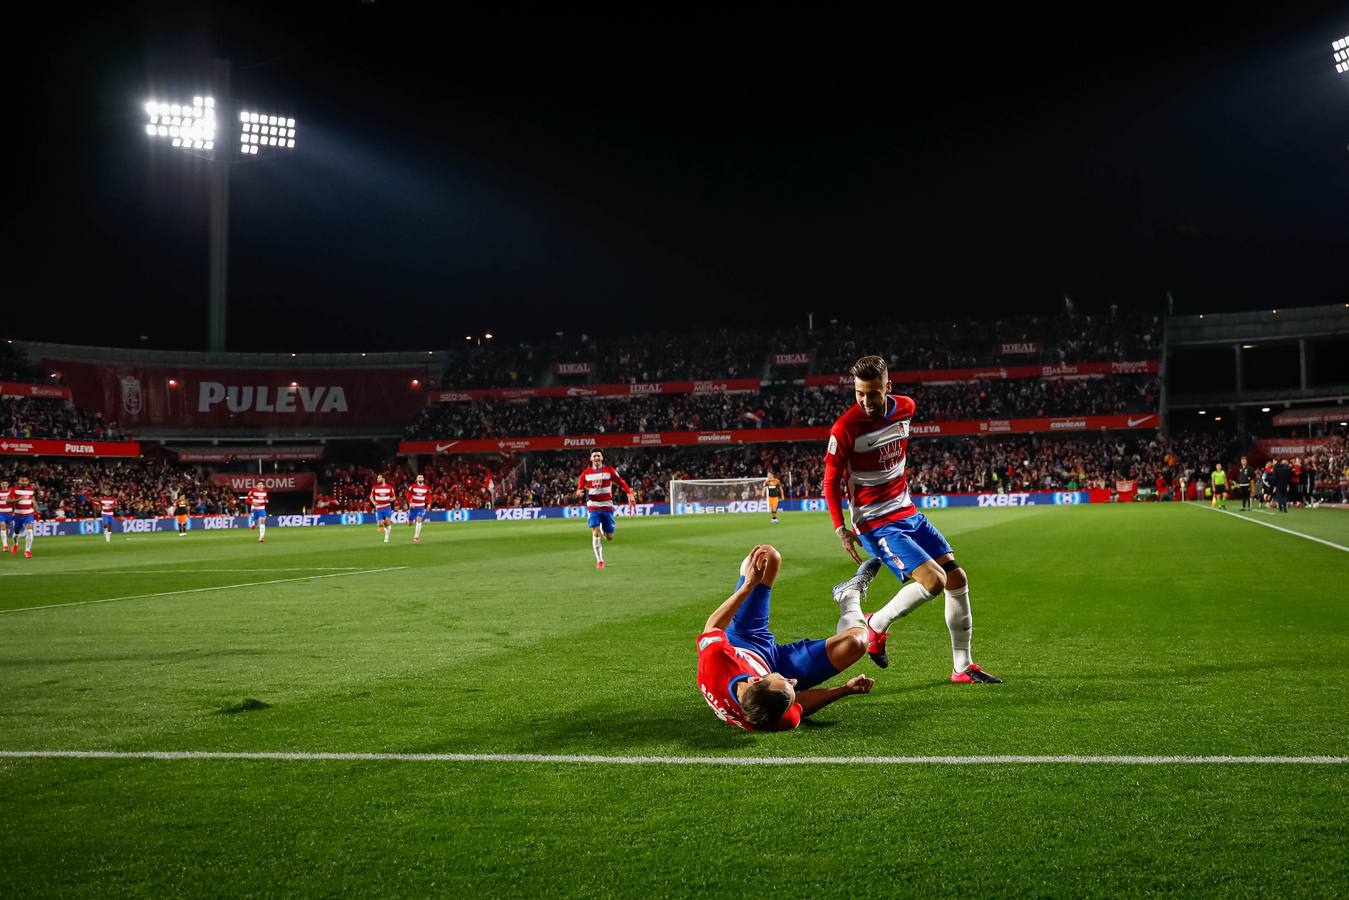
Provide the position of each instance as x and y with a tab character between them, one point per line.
107	506
418	500
24	498
868	447
755	683
597	487
6	518
257	506
381	498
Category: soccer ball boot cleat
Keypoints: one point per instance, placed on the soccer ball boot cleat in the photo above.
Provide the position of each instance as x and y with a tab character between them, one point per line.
974	675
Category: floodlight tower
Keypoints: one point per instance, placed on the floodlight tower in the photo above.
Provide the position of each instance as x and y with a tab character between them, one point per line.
1341	51
196	128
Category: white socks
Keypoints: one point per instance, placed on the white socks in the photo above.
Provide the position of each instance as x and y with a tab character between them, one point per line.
850	612
262	529
28	541
960	623
909	598
4	539
598	544
107	537
417	529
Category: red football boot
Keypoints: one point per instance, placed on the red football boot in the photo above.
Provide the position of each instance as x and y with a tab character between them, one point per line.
876	644
974	675
600	564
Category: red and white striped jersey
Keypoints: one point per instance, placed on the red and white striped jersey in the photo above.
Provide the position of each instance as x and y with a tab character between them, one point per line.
257	498
381	495
23	500
598	485
6	504
108	505
872	455
419	496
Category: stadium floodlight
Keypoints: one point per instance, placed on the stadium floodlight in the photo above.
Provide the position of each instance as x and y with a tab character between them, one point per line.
1341	50
188	126
265	130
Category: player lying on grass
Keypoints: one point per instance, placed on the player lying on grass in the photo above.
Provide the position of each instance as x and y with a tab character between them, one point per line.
757	684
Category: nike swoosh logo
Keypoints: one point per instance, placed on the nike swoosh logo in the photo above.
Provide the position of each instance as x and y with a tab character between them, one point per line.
441	448
1134	422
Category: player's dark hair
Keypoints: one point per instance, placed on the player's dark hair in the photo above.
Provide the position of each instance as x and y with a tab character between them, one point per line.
870	368
764	705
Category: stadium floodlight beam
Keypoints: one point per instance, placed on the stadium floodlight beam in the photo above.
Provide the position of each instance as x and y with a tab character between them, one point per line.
196	126
1341	50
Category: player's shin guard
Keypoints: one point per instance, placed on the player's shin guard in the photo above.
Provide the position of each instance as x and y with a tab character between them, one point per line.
960	623
909	598
599	547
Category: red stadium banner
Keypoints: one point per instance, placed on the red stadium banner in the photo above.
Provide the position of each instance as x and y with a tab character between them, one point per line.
158	396
1024	348
770	435
286	482
25	447
267	454
43	391
1288	448
792	359
1328	414
714	386
574	368
998	373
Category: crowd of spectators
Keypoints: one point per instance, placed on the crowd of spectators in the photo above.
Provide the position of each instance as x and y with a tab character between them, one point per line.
779	406
456	482
58	419
143	487
833	346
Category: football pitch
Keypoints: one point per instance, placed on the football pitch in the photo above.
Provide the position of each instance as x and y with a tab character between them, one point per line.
251	679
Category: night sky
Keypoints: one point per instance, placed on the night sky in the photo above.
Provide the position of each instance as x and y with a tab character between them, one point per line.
525	172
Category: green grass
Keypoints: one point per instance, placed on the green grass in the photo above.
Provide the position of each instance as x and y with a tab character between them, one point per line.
1132	630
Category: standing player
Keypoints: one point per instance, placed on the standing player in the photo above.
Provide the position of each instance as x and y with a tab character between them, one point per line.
24	498
6	518
381	497
773	488
597	487
257	504
1219	479
107	507
868	446
181	509
755	683
419	500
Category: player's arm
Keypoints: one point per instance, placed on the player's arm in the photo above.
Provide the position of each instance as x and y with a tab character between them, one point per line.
581	485
835	470
813	700
722	616
632	497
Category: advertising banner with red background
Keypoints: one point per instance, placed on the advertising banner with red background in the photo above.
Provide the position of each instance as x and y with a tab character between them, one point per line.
1324	415
243	482
1287	448
999	373
769	435
44	391
26	447
266	454
719	386
135	396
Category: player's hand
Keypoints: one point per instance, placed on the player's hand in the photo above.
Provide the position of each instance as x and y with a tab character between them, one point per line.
850	542
758	564
861	684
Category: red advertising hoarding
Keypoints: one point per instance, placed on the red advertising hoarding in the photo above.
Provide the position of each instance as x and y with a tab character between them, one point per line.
999	373
1323	415
770	435
43	391
1287	448
285	482
137	396
266	454
712	386
90	449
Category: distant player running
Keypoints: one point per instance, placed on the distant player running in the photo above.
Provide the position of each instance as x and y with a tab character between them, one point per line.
597	487
381	498
773	488
418	500
6	518
753	682
868	447
107	507
257	506
24	498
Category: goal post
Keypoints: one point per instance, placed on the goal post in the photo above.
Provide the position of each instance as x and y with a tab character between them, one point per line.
701	495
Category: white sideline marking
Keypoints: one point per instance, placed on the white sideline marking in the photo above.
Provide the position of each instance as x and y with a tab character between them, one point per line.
219	587
183	571
1242	518
678	760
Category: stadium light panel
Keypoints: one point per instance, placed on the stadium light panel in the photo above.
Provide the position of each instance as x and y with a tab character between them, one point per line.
151	130
1264	409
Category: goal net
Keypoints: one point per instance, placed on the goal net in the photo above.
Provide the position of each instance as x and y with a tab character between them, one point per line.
717	495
